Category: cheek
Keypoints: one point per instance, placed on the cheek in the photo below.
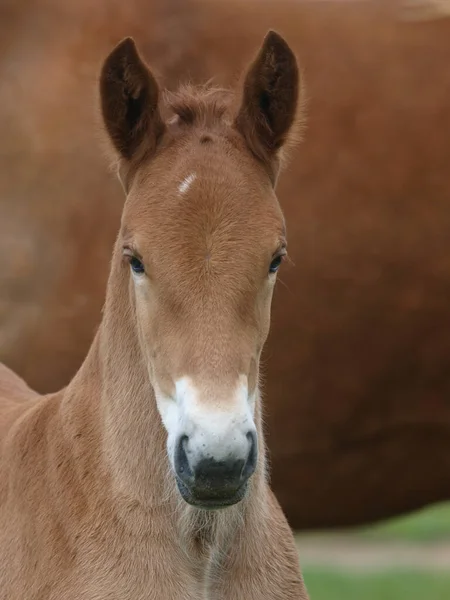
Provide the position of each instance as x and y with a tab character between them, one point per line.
253	377
264	303
145	307
157	334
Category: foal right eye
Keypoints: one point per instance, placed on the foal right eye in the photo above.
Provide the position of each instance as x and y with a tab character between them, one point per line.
136	265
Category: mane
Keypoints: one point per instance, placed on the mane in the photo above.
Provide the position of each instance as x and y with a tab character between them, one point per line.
207	105
200	104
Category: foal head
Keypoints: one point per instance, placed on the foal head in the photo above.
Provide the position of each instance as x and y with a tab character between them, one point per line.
201	240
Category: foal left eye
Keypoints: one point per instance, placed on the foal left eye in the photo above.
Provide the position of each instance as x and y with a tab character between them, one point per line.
275	264
136	265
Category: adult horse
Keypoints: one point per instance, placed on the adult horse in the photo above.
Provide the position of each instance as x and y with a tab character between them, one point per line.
92	505
357	365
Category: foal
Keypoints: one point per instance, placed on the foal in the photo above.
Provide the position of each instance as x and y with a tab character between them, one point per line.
145	478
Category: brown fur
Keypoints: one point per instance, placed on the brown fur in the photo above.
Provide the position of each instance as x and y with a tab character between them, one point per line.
88	503
356	366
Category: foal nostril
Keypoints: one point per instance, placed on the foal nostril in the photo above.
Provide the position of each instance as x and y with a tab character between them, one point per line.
250	465
182	466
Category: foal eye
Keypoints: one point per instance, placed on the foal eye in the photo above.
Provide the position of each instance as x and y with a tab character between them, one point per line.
275	264
136	265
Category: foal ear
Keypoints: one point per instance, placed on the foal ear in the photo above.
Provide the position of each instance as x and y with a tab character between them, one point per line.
270	98
130	101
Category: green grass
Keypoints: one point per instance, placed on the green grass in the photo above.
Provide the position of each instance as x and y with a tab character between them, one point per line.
327	584
396	583
430	524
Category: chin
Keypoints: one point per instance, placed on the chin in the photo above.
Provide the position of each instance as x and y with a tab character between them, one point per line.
215	501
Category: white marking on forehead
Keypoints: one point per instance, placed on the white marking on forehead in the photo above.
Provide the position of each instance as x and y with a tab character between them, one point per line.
186	183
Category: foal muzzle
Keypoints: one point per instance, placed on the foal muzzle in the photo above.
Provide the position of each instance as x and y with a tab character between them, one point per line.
209	482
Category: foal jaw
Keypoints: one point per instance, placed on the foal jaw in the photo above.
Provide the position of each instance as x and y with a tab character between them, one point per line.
212	445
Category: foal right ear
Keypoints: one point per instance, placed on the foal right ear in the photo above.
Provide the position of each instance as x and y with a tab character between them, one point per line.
130	101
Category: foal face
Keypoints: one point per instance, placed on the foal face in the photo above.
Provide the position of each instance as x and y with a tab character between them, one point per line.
202	239
209	237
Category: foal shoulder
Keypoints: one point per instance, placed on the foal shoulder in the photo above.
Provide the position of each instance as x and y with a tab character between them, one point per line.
13	388
15	398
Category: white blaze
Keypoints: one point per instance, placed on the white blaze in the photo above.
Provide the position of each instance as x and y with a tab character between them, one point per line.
216	427
186	183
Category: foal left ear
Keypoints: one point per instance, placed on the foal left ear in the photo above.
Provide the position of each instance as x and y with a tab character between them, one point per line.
130	101
270	98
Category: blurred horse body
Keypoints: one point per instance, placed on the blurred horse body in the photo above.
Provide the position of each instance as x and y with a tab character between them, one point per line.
360	342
